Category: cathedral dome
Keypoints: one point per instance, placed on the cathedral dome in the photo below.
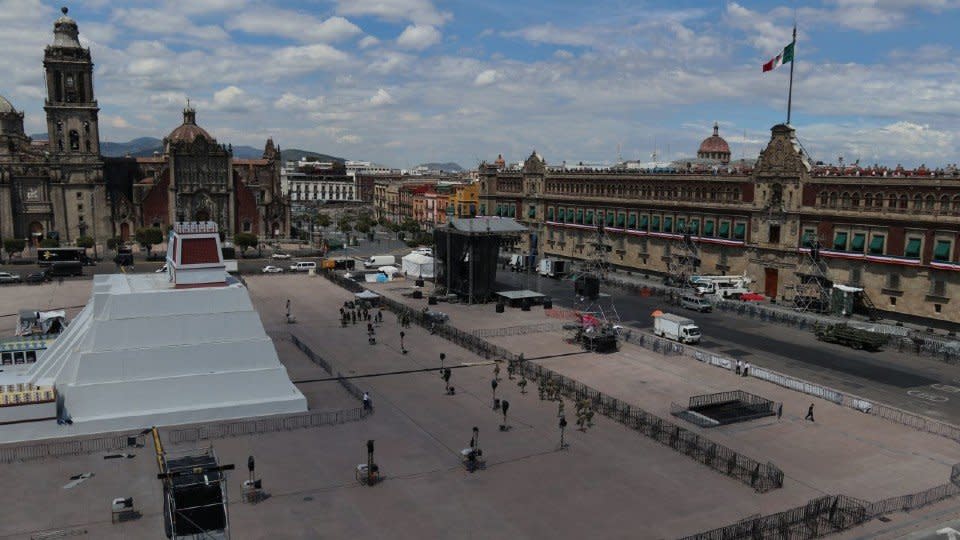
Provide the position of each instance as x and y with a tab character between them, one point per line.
714	147
189	130
6	106
65	31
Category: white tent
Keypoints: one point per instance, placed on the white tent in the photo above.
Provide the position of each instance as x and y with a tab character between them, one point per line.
416	265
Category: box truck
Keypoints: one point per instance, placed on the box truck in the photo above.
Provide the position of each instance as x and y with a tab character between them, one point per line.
552	267
376	261
676	328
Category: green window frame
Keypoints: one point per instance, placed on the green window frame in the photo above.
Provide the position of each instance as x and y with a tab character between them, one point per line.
739	231
580	216
483	209
632	221
621	219
512	210
724	229
550	214
532	212
681	225
694	227
913	248
941	252
859	240
876	244
708	227
644	222
655	224
667	224
499	210
609	216
589	217
840	241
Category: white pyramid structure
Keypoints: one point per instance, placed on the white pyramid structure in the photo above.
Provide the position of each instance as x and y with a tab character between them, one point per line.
161	349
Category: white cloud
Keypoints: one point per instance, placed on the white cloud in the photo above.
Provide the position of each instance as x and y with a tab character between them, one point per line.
382	97
349	139
415	11
486	77
292	102
549	34
387	62
293	25
233	99
169	23
367	42
418	37
308	58
114	121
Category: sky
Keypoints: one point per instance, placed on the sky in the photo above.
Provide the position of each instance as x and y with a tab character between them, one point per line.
402	82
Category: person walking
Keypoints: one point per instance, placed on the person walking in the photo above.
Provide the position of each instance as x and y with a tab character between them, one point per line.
738	367
366	401
809	414
746	369
780	410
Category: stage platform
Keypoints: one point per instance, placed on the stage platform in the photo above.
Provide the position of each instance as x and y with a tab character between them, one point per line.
517	298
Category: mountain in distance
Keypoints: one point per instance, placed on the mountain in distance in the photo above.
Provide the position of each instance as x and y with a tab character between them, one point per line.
147	146
445	167
295	154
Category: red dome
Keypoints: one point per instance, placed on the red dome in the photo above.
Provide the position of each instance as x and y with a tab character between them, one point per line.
714	146
189	130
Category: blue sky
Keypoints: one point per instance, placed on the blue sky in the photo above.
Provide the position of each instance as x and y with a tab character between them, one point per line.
402	82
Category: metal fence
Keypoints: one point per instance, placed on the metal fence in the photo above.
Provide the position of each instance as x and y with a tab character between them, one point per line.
819	517
271	424
348	385
718	398
762	477
12	453
827	515
519	330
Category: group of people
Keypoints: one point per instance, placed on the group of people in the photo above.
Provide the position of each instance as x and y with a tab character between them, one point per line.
743	368
351	312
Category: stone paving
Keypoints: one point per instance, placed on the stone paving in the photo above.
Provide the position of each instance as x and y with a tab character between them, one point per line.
610	483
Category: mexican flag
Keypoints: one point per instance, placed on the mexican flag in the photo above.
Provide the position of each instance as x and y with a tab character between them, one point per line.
785	56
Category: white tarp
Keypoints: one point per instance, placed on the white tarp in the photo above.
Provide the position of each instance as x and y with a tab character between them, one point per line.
367	295
416	265
388	271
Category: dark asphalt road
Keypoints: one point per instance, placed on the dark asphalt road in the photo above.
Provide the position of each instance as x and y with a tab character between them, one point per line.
888	376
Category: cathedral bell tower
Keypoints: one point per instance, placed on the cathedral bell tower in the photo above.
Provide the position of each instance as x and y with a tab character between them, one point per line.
71	109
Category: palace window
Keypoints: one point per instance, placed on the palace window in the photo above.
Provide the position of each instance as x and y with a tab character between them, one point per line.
632	221
724	229
917	201
893	281
855	200
845	200
912	249
833	199
483	210
644	222
878	202
774	234
809	235
681	225
609	216
929	202
876	244
859	240
856	275
74	140
868	200
824	197
589	217
655	224
840	241
903	202
955	203
667	224
941	251
246	226
708	227
694	227
740	231
938	287
621	219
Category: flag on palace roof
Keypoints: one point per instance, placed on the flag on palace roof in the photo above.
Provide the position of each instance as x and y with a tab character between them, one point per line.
785	56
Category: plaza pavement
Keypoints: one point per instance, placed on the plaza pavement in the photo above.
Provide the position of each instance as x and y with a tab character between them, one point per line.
611	482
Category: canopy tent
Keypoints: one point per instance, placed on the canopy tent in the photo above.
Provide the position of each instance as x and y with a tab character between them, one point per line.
367	295
416	265
41	322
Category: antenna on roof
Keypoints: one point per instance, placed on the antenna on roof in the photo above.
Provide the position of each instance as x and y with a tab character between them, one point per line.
619	154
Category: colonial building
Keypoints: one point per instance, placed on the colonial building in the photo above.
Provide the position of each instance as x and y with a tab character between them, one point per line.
56	189
64	188
892	232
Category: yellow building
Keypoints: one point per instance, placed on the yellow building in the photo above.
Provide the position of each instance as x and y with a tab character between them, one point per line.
466	200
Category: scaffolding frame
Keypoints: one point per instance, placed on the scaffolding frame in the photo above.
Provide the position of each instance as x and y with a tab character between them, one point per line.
813	290
685	264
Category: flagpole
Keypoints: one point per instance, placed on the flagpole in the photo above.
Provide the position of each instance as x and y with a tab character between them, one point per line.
792	62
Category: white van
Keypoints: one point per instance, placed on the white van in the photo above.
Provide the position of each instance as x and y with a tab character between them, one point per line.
303	266
376	261
696	303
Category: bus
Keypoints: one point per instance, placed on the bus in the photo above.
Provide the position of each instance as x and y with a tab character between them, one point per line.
62	261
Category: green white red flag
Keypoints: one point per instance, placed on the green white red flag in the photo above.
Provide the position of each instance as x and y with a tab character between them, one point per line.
785	56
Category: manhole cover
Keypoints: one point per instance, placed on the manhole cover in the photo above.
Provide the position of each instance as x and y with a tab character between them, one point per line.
308	498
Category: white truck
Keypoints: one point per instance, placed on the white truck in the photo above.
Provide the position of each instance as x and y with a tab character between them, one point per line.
676	328
552	268
376	261
721	286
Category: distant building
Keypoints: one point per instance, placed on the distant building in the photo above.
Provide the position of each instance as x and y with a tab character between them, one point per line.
715	147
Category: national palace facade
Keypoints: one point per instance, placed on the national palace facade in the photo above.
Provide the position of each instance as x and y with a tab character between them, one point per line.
892	232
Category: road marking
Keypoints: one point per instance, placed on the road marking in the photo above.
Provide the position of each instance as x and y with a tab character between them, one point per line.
927	396
950	532
945	388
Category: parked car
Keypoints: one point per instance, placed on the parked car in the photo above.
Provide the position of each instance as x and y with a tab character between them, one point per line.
696	303
303	266
280	256
7	277
272	269
752	297
38	277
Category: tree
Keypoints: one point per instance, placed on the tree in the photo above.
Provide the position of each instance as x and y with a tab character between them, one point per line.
244	241
410	226
49	243
14	245
85	242
148	237
323	220
113	243
345	225
363	226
